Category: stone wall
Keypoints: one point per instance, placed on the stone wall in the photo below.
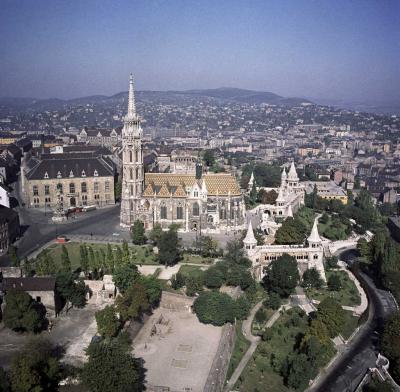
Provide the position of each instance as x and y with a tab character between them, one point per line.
176	302
219	368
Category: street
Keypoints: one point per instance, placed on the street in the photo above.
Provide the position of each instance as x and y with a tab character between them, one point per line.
361	353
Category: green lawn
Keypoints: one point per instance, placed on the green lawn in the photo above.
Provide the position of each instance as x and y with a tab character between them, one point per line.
259	374
241	346
350	324
195	259
138	253
347	296
191	270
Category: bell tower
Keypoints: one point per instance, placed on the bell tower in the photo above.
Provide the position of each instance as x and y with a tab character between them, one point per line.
132	163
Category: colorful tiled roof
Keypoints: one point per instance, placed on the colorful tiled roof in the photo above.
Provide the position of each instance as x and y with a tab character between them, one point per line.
220	184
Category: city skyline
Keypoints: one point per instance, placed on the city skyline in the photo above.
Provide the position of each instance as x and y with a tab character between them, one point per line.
333	51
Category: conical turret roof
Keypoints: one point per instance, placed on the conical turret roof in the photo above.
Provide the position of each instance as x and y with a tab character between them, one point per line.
314	236
250	239
281	197
292	172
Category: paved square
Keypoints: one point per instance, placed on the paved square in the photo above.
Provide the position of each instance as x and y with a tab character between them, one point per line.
177	350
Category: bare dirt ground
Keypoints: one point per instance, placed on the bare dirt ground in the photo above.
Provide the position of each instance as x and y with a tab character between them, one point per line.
177	349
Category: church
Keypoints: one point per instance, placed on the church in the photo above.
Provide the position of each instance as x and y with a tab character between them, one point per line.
204	202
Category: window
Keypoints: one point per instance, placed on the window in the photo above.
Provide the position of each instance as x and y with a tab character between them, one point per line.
46	175
196	210
179	212
71	187
83	173
35	190
83	187
96	187
59	188
315	257
163	212
222	213
84	200
196	194
47	189
131	173
107	186
137	173
132	192
130	155
136	156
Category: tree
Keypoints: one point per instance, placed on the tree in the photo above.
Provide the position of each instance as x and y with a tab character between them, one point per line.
65	261
169	248
209	158
108	324
133	303
138	233
177	281
110	259
376	385
45	266
331	262
23	313
334	282
292	231
312	278
153	288
35	368
111	368
124	276
298	371
119	256
273	301
282	275
156	233
12	252
267	197
364	248
332	315
84	258
5	385
214	278
70	290
235	254
126	256
391	343
208	246
214	308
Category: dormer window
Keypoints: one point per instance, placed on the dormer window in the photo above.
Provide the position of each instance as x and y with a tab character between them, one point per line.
96	174
83	173
71	173
59	175
46	175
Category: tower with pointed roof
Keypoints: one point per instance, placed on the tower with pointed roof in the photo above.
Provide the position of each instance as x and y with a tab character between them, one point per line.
132	163
249	241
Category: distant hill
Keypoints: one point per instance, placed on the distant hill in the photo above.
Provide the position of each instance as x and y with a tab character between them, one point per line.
219	94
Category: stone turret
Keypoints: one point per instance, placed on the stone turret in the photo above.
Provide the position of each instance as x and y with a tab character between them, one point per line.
292	175
314	239
250	241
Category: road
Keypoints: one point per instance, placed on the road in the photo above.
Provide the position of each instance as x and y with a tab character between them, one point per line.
346	374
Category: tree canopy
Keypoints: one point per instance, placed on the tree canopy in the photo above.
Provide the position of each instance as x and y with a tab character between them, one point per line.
111	368
23	313
124	275
138	233
169	248
332	315
108	324
282	275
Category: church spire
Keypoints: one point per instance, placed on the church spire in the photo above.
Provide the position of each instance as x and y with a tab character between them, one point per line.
131	99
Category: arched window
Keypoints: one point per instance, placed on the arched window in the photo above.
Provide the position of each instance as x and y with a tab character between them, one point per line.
137	173
96	187
107	186
83	187
132	192
60	187
163	212
131	173
71	187
130	155
136	156
196	210
179	212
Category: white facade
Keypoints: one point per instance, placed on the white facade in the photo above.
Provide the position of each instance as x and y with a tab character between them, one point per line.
310	255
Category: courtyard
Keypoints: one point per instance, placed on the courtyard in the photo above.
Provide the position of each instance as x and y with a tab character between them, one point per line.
176	348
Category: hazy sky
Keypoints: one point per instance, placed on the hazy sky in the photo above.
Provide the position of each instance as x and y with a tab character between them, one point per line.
332	49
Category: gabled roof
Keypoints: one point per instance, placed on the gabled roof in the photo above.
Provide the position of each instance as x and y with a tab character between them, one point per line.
217	184
29	284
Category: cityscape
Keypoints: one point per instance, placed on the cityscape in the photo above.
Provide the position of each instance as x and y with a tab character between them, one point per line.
161	232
